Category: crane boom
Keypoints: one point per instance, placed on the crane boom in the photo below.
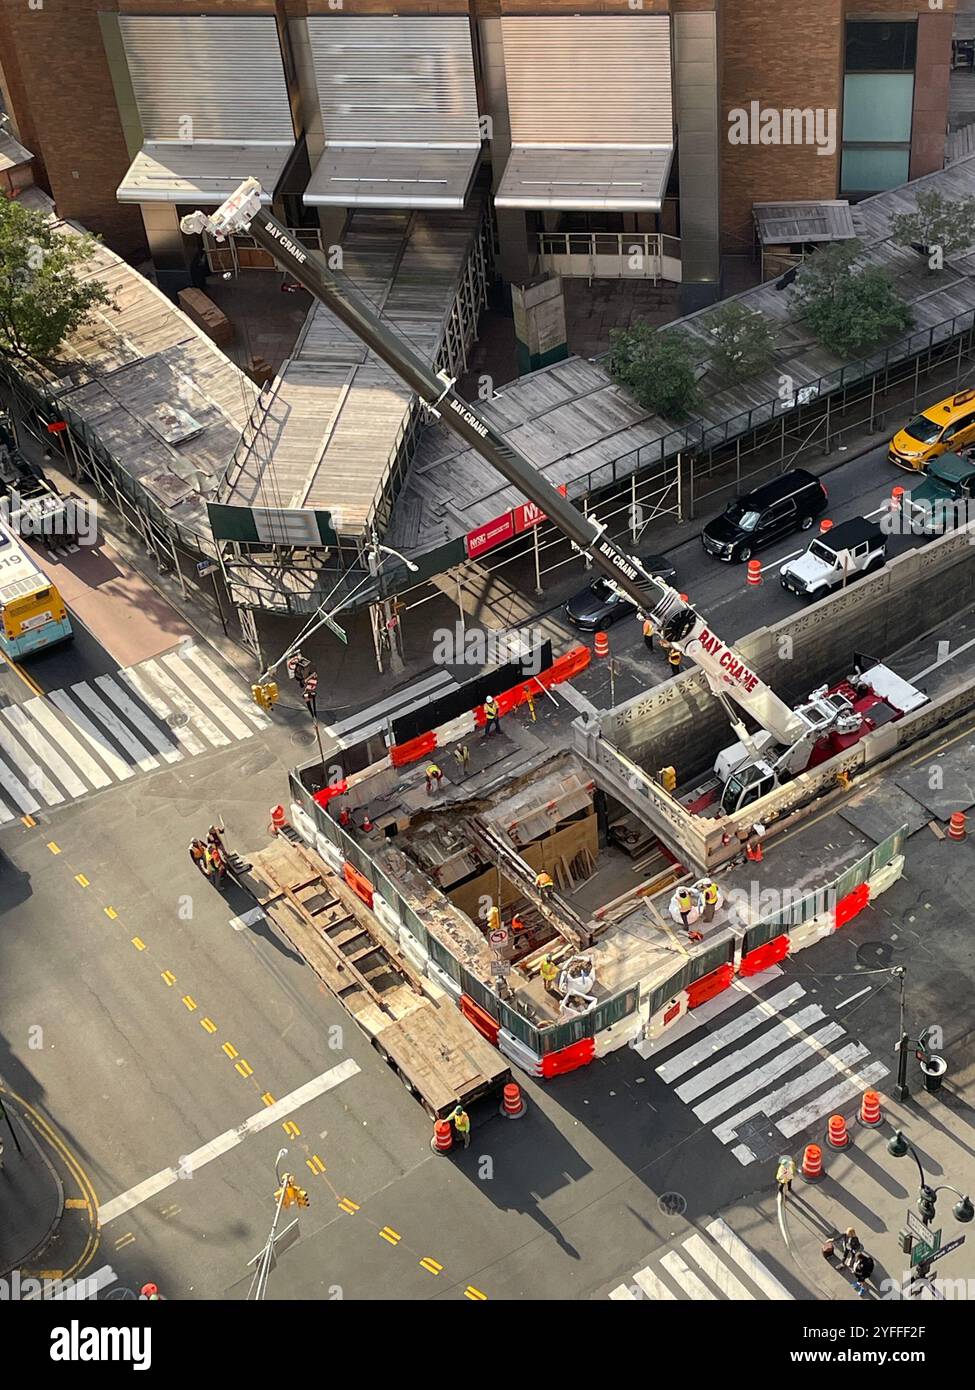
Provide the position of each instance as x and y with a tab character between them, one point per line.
728	676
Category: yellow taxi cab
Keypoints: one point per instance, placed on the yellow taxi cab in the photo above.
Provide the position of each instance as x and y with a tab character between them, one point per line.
948	425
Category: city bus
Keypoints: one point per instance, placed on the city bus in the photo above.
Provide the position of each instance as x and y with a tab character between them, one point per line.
32	612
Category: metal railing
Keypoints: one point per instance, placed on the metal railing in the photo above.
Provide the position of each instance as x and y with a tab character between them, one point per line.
611	255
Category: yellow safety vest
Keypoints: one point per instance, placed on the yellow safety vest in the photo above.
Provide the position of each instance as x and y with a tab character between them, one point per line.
549	970
711	893
544	881
434	771
490	708
684	901
648	629
673	656
462	1121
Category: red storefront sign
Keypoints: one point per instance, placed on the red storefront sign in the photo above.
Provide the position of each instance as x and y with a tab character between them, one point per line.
528	514
492	533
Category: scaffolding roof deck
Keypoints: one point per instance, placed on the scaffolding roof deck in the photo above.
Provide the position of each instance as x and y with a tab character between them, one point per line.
581	429
338	414
161	398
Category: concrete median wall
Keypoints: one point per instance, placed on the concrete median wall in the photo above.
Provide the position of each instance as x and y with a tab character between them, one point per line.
680	723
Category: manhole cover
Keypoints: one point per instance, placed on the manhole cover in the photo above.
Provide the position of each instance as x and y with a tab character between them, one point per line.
301	740
177	721
672	1204
875	953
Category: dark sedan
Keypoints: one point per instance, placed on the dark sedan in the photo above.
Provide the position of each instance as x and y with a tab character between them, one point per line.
598	606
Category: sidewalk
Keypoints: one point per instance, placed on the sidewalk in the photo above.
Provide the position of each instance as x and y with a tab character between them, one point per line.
31	1196
865	1187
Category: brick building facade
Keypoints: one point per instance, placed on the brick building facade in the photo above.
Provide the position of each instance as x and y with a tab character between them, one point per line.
60	69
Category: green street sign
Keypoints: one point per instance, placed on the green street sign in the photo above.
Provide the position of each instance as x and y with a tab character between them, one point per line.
923	1251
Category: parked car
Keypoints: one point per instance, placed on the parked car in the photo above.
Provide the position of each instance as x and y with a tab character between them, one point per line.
846	551
789	503
949	425
945	498
598	606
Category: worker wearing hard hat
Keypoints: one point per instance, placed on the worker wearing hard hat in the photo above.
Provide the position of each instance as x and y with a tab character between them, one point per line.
685	904
710	901
549	972
544	884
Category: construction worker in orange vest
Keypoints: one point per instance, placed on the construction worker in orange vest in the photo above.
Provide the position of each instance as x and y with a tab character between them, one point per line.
198	853
434	777
216	865
544	884
517	924
648	634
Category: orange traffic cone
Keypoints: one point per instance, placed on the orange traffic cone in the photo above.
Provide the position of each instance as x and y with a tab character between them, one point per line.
836	1132
870	1113
443	1137
513	1104
812	1162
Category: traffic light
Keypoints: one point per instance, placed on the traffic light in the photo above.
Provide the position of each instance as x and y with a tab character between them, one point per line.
265	695
668	778
300	1196
290	1194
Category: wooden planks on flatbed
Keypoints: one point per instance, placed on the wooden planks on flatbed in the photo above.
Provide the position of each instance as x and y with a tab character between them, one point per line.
443	1057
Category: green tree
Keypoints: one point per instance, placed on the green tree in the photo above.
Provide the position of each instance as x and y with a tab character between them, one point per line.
43	295
656	368
938	227
850	310
743	341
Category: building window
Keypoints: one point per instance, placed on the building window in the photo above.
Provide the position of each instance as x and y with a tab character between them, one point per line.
878	103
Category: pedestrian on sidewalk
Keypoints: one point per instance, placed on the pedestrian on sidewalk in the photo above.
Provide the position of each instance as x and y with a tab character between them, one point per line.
863	1266
852	1246
462	1125
784	1174
492	714
463	756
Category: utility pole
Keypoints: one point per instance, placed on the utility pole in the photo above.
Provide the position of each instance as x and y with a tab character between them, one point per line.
903	1091
287	1194
309	692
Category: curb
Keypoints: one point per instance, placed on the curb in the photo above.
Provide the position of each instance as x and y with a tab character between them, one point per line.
42	1245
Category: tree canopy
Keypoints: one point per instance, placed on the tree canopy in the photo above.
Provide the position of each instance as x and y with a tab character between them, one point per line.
851	310
44	296
656	368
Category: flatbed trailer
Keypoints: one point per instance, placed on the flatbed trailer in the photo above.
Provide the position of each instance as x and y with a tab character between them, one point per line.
427	1041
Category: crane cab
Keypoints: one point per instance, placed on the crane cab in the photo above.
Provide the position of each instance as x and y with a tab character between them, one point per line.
748	784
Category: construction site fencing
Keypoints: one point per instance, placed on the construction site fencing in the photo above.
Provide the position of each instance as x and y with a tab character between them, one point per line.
694	968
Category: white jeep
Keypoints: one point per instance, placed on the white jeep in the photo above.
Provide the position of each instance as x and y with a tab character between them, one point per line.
845	552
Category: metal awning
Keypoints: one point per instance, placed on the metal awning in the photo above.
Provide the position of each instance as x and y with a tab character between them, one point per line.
213	105
591	112
399	112
585	179
203	172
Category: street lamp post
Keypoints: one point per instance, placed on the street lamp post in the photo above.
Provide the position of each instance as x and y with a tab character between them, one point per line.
927	1197
902	1088
265	1259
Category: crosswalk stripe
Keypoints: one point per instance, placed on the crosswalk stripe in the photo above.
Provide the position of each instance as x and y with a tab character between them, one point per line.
716	1270
745	1056
40	747
624	1295
792	1091
99	741
138	720
17	792
218	678
737	1028
761	1077
652	1286
182	670
37	778
827	1103
686	1277
140	755
181	702
5	815
747	1261
39	709
161	710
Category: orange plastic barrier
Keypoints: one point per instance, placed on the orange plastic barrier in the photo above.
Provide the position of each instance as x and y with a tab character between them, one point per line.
763	956
402	753
480	1018
359	885
576	1055
704	989
848	907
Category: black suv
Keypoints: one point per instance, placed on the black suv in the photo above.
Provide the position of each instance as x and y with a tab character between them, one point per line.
790	503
